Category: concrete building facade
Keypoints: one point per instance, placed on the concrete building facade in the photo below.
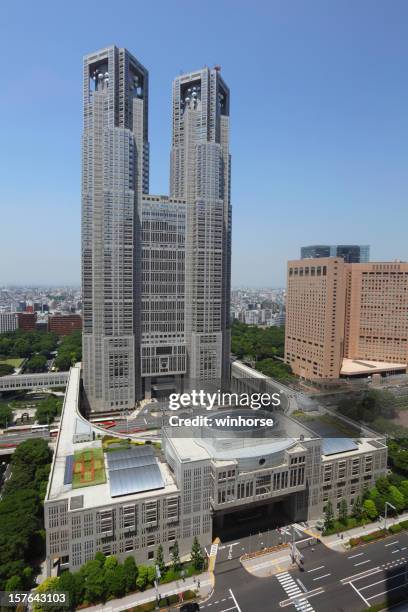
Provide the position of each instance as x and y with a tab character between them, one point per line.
209	482
8	321
115	173
200	174
155	270
346	319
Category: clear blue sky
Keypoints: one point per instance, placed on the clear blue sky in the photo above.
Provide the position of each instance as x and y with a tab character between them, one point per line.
319	122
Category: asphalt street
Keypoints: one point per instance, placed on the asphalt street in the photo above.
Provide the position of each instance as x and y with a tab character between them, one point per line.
329	582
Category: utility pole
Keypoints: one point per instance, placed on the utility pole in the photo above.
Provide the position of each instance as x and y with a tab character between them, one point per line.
385	513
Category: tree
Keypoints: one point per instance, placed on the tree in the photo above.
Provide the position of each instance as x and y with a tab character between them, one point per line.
115	581
47	410
6	416
396	498
74	585
343	511
6	369
403	487
370	509
49	585
357	509
142	578
130	573
197	555
175	557
95	586
14	584
328	516
160	560
36	363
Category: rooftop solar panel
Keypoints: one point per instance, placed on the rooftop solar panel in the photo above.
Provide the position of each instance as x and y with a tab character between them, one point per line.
138	451
131	462
332	446
69	469
135	480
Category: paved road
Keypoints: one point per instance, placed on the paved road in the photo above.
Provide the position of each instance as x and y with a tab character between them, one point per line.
337	582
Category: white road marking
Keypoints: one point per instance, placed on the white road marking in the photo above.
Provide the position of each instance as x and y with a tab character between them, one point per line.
354	556
320	577
316	568
235	601
388	579
362	562
360	575
391	543
401	586
360	595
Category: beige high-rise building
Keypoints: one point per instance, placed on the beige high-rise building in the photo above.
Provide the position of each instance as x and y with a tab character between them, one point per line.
346	319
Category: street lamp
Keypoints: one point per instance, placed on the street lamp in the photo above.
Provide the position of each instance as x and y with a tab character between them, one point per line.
385	512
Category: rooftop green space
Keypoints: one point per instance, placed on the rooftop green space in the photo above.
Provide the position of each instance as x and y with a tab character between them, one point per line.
89	468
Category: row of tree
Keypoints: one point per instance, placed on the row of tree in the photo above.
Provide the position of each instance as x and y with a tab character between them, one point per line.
392	489
69	351
261	346
20	343
105	578
255	342
21	515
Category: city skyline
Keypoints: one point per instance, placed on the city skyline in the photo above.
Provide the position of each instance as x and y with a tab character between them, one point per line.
330	110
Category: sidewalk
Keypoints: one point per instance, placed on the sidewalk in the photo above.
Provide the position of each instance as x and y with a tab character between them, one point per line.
171	588
336	542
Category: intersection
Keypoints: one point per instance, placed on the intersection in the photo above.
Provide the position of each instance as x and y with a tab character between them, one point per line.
329	581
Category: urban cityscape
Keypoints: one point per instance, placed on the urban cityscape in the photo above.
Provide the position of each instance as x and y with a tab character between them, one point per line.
174	434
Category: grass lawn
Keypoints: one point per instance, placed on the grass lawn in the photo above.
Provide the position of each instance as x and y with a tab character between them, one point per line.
13	361
89	468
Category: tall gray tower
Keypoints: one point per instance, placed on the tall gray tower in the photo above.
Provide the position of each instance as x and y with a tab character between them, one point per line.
200	174
115	173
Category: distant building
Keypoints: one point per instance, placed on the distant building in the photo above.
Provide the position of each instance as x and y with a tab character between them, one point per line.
64	324
27	320
346	319
8	321
351	253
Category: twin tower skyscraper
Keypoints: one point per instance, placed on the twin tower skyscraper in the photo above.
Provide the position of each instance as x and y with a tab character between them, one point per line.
156	270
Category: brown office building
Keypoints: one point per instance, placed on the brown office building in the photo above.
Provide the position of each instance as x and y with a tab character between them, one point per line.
27	320
346	319
64	324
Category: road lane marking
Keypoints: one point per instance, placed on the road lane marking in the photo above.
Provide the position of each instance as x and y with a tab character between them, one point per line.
320	577
362	562
391	543
235	601
354	556
388	579
302	586
401	586
360	575
360	595
316	568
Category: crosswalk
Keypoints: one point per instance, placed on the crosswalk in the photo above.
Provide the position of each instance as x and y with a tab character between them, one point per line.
292	589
